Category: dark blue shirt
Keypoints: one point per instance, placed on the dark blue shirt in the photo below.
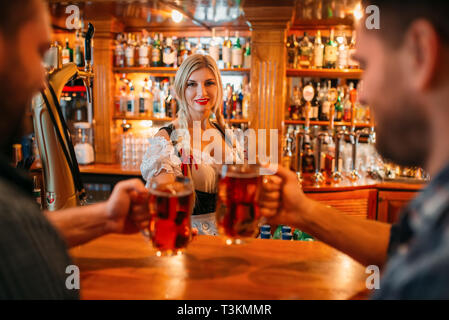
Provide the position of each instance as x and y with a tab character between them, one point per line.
33	256
418	264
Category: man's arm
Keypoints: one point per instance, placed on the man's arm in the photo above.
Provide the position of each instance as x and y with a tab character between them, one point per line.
284	202
124	212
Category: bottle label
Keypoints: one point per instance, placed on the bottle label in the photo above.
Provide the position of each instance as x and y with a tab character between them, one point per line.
141	105
65	56
143	56
169	57
226	55
326	107
156	55
330	54
343	58
214	52
237	57
318	56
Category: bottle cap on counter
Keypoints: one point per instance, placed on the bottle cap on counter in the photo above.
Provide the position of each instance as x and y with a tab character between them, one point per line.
286	229
265	235
287	236
265	227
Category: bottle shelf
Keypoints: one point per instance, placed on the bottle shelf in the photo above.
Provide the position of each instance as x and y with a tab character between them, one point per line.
123	117
326	123
326	73
170	72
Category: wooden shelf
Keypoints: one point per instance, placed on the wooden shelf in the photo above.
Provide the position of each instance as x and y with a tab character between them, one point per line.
326	73
237	120
122	117
326	123
170	72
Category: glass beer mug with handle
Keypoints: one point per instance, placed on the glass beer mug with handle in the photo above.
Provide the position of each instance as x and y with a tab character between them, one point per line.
171	205
238	214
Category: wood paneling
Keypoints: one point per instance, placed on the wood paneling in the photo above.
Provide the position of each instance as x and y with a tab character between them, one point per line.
360	203
391	204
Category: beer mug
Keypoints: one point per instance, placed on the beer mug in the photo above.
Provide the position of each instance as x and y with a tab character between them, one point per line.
171	205
238	213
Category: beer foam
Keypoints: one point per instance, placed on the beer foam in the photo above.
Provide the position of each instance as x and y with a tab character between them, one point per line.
160	193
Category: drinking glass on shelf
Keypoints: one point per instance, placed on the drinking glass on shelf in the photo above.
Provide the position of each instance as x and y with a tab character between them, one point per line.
238	213
171	205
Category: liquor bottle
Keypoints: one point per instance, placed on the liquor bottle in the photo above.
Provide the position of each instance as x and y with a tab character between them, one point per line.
182	52
292	51
67	53
247	56
163	97
156	100
227	108
325	104
170	104
342	61
144	51
347	105
316	104
308	158
305	52
287	155
129	52
338	108
226	51
318	51
156	55
145	102
169	55
237	53
214	48
131	105
330	52
246	98
352	64
199	47
78	54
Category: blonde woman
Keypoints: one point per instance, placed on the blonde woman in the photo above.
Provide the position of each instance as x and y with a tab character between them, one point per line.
172	153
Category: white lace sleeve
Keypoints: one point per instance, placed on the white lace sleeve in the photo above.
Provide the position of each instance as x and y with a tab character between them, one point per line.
160	156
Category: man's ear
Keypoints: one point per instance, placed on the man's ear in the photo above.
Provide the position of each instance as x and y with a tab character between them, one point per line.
421	52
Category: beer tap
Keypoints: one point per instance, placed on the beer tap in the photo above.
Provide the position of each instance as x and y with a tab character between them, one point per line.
332	97
318	176
301	136
354	137
63	184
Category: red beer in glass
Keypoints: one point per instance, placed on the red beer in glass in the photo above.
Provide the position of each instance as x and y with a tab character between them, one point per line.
171	206
238	212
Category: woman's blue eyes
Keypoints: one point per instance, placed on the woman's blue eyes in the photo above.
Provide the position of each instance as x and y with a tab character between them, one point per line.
209	83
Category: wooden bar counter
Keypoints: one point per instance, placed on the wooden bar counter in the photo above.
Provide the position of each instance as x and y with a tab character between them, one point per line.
125	267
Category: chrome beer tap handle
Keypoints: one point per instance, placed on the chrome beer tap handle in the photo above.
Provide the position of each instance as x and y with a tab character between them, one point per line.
354	138
337	176
318	176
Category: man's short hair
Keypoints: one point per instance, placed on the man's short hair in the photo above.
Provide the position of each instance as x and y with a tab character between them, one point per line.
396	16
14	14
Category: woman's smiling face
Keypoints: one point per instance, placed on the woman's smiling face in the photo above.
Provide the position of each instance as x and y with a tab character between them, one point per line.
201	92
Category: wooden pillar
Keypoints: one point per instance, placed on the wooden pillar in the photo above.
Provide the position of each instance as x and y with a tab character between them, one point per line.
103	89
269	23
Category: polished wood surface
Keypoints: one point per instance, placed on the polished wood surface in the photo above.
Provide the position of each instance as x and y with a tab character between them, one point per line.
125	267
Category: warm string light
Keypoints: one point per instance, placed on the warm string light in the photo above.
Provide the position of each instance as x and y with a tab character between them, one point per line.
176	16
358	13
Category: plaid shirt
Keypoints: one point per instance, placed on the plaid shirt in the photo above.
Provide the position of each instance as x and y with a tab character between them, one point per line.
418	264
